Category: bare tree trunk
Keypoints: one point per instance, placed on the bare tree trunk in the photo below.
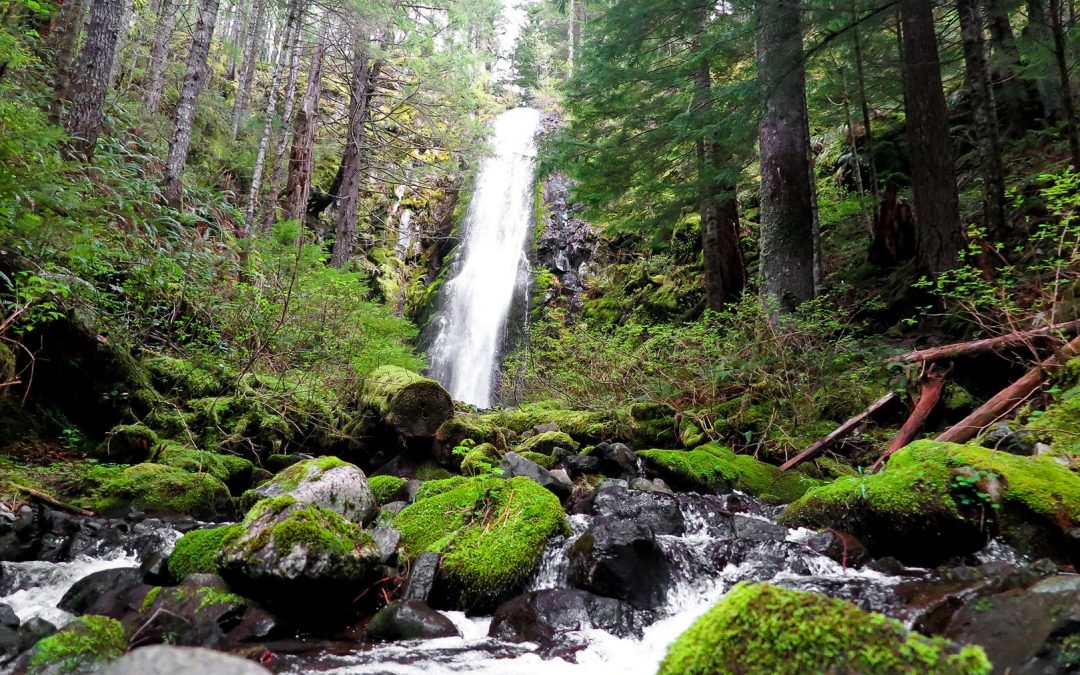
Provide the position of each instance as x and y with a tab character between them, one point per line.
864	107
172	185
985	118
938	235
1039	34
90	82
787	228
170	13
238	28
362	91
247	68
1011	94
298	184
1062	58
63	39
570	16
286	116
121	40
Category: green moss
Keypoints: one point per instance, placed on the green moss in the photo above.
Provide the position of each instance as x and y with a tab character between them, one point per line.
226	468
320	531
191	379
490	532
763	629
128	443
546	461
461	427
690	433
712	468
480	459
84	641
582	425
385	488
430	488
156	487
196	552
7	364
1060	424
151	597
214	596
546	443
431	471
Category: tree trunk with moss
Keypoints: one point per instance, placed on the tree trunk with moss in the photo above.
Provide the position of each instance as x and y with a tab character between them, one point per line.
411	404
90	79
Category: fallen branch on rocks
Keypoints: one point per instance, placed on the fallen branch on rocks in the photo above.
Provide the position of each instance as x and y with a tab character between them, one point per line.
844	429
985	345
933	382
1005	401
52	501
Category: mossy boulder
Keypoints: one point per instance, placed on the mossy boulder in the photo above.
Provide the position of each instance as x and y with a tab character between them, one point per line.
480	459
460	428
165	489
546	443
430	488
236	472
1059	425
584	426
767	630
546	461
84	643
327	482
197	551
715	468
937	500
182	376
128	444
386	488
286	552
653	425
490	533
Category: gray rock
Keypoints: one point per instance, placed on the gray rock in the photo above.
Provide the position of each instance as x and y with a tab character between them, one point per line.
562	477
659	512
646	485
107	592
541	616
386	538
8	617
422	575
514	465
410	620
32	631
341	488
168	660
546	427
620	559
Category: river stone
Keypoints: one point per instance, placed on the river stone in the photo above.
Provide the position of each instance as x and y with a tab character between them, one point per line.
616	460
386	538
410	620
326	482
168	660
542	616
660	512
620	559
34	630
514	465
107	592
580	465
422	575
8	617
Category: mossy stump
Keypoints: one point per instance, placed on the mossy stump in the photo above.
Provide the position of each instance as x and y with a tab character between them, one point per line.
412	405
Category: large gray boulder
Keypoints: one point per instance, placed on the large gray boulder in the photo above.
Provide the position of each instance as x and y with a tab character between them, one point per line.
327	482
169	660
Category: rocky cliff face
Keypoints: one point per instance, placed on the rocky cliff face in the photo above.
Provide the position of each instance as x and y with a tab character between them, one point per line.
566	246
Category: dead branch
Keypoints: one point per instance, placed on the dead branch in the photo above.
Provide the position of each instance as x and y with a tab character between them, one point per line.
933	382
985	345
843	430
52	501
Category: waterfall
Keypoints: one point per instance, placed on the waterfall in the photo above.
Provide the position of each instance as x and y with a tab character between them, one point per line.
490	266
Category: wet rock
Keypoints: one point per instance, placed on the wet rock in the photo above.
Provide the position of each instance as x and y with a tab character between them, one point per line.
326	482
8	617
659	512
563	477
154	568
109	592
170	660
386	538
422	575
842	547
409	620
654	485
34	630
10	644
514	465
1016	442
541	616
616	459
254	625
578	465
620	559
748	528
199	612
412	486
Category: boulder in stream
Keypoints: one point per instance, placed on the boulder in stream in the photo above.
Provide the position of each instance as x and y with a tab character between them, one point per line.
171	660
542	616
621	559
81	646
326	482
409	620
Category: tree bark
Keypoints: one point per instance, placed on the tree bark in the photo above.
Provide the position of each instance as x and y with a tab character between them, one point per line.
818	446
298	184
90	81
413	405
929	394
1062	58
977	72
864	107
1039	35
247	67
238	27
278	176
1011	94
194	76
787	236
938	235
364	75
170	13
986	345
63	39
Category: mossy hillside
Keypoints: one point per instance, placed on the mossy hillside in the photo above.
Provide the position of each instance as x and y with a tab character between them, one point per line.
128	443
183	376
713	468
197	551
490	532
653	424
951	495
386	488
160	488
763	629
546	442
85	641
1059	424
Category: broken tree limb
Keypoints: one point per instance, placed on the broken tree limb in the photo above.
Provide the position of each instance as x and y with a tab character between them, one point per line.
985	345
1006	400
844	429
52	501
933	382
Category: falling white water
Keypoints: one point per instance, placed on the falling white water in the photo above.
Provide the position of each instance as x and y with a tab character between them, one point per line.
491	263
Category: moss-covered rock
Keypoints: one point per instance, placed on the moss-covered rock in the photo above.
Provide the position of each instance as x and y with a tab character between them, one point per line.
430	488
286	551
935	500
715	468
197	551
480	459
1059	424
166	489
234	471
490	533
546	461
653	425
327	482
173	375
386	488
84	642
582	425
691	434
764	629
546	443
128	444
462	427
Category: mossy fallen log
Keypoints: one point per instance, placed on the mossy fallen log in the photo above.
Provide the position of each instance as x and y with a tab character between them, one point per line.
413	405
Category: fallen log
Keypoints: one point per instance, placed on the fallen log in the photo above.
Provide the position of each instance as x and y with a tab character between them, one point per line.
984	345
844	429
37	495
411	404
933	382
1006	400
